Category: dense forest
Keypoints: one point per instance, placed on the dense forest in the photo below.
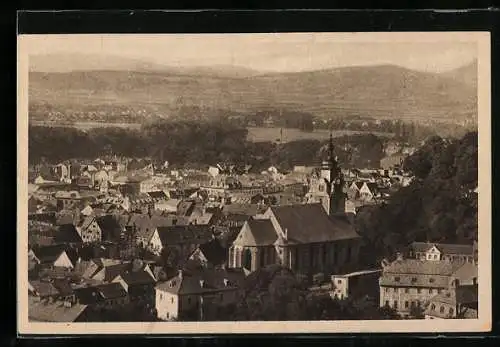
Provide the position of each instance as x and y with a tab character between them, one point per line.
438	206
195	142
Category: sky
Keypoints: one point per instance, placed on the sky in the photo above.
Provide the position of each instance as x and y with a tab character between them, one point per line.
433	52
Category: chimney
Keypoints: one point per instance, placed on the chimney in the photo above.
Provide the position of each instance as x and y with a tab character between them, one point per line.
399	256
179	274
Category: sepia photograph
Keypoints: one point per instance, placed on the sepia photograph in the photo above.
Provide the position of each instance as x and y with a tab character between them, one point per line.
251	183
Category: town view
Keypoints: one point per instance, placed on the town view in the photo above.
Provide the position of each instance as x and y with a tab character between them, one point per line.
214	185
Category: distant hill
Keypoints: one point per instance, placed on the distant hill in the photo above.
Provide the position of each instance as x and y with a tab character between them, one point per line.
466	74
67	62
378	91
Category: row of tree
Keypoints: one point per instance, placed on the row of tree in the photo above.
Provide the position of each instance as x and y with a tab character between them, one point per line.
185	142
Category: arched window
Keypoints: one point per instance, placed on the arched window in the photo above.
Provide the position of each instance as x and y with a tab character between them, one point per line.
441	309
247	259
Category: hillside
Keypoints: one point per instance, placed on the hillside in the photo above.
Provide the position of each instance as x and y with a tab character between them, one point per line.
466	74
377	91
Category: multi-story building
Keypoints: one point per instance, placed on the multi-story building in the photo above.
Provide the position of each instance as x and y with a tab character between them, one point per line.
408	284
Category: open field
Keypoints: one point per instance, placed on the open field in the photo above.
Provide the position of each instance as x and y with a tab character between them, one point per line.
258	134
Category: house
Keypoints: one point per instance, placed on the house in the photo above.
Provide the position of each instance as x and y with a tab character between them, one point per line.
458	302
107	295
192	295
442	251
302	237
139	284
89	230
407	284
184	238
356	284
53	256
111	230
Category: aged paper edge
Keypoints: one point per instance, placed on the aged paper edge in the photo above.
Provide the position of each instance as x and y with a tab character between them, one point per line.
481	324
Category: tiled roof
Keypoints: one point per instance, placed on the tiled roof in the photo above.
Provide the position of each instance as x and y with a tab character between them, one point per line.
142	277
112	290
175	235
424	267
53	312
443	247
49	254
203	281
241	209
257	232
309	223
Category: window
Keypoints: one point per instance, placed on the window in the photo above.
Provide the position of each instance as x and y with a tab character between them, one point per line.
161	296
433	307
407	290
430	291
450	311
441	309
414	279
397	279
431	280
172	300
439	291
395	304
406	304
419	291
168	315
340	282
387	303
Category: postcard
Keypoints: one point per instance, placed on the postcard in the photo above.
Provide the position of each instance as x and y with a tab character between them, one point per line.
254	183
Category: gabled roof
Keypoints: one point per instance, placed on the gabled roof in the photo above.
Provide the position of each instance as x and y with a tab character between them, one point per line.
256	232
309	223
132	278
49	254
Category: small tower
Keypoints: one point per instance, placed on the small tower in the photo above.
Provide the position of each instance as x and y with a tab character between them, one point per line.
336	182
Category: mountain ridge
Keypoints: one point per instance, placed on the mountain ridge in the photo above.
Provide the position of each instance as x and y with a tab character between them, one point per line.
383	90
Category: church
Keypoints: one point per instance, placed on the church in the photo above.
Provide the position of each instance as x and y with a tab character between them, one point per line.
303	237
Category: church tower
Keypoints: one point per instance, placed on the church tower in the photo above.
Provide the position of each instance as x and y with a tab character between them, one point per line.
336	182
